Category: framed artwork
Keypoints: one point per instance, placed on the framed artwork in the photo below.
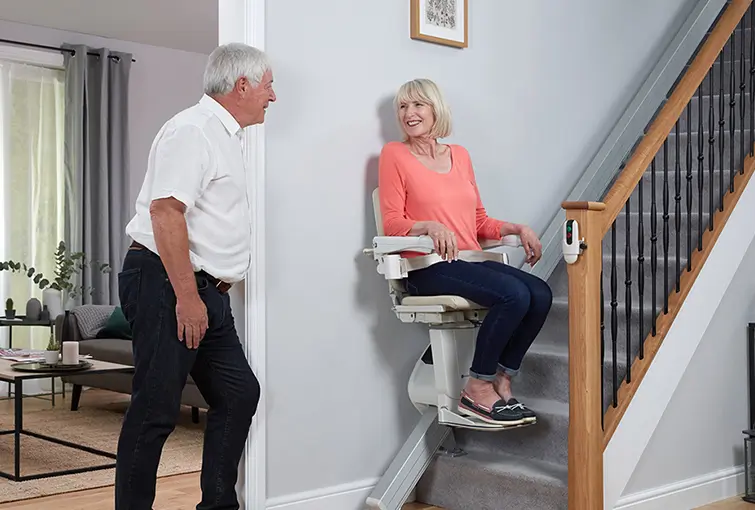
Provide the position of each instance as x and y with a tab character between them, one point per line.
440	21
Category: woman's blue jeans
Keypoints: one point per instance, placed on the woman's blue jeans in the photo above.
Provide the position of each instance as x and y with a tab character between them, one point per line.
518	305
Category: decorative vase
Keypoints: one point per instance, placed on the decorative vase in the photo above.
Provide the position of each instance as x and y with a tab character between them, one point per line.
51	357
33	309
51	298
10	314
44	315
70	303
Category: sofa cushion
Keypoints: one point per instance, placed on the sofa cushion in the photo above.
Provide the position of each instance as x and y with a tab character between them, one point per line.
116	326
91	319
114	350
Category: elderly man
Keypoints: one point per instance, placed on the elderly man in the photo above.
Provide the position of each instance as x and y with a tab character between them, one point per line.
191	241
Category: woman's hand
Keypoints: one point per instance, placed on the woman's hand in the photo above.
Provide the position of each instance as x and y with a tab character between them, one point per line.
444	239
531	244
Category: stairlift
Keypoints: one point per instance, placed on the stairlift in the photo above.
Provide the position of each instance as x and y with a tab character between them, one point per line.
436	382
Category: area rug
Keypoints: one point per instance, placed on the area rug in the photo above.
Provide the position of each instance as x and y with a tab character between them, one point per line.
94	427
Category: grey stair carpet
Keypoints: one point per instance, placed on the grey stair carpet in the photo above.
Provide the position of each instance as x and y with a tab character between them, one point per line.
527	468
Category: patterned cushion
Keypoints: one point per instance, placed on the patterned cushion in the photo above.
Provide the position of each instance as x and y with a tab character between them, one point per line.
92	318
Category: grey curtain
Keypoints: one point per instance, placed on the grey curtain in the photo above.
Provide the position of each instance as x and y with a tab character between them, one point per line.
97	163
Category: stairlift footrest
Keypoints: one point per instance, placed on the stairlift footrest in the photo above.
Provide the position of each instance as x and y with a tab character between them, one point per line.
451	419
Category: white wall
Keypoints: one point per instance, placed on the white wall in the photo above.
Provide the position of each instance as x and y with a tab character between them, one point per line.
533	97
163	81
701	429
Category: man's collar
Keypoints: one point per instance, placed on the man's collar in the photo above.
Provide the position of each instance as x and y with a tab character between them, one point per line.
230	123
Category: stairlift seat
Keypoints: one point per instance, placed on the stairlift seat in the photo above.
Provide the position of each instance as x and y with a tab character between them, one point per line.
448	302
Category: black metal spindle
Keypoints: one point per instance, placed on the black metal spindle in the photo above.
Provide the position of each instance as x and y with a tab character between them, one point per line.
742	87
711	149
665	225
689	184
628	291
732	106
700	171
721	125
614	316
602	344
653	242
752	81
678	205
641	271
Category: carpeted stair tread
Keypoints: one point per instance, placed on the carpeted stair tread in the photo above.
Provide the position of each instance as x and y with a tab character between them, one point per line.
494	481
544	441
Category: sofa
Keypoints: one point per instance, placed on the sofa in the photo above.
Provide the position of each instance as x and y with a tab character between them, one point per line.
102	332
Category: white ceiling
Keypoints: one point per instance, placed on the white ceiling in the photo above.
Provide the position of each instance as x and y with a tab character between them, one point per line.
190	25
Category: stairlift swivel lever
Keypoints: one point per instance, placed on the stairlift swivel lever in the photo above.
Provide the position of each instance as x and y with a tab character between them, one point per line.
571	243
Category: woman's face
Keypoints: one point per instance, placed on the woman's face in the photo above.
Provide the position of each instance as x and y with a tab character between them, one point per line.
416	118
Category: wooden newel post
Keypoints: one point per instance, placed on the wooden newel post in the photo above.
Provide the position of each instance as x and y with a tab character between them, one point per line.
585	367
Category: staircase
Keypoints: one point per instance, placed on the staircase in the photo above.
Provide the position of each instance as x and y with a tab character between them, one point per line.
679	175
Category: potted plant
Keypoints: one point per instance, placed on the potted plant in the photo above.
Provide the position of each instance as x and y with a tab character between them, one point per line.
53	351
10	312
67	266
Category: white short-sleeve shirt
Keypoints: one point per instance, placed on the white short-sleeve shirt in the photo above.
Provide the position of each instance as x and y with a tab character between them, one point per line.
197	158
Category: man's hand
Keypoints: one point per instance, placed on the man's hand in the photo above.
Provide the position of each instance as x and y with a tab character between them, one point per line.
191	314
171	237
531	244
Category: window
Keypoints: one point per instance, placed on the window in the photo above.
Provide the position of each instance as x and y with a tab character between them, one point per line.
32	128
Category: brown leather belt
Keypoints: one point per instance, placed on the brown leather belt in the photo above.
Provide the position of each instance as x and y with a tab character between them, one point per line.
222	286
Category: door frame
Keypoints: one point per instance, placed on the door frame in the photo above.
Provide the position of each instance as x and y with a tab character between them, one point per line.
244	21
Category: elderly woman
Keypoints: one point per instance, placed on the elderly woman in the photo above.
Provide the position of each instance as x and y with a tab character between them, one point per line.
429	188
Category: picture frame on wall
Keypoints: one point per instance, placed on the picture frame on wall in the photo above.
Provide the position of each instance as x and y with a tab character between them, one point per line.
440	21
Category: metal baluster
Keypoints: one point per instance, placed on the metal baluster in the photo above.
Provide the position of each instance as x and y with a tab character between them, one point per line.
628	291
711	148
689	184
721	124
602	345
641	271
653	242
742	87
678	206
614	316
732	116
752	81
665	225
700	171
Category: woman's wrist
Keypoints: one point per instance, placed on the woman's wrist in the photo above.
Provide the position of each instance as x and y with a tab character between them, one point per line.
511	228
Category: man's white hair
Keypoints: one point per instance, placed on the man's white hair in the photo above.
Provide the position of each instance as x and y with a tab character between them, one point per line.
229	62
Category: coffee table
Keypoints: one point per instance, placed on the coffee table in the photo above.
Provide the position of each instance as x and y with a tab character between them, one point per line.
17	378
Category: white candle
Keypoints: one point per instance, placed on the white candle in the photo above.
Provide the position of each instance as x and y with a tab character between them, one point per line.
70	353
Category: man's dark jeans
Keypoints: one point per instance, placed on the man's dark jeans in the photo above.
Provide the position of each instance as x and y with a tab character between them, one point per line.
162	364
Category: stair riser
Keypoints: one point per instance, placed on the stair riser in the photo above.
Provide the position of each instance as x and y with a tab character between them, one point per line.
482	489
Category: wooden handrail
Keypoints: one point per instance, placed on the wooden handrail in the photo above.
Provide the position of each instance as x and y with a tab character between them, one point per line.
584	206
645	152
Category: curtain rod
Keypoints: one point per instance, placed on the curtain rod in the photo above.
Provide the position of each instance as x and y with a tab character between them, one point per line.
54	48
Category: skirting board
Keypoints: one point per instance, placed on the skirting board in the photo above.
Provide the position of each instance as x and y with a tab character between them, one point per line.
690	493
348	496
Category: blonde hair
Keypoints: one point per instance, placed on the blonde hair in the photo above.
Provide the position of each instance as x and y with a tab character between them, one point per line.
426	91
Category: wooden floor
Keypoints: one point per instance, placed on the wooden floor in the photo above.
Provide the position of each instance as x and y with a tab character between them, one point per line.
178	492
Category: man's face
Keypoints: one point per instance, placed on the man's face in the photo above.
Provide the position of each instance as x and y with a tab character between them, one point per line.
254	100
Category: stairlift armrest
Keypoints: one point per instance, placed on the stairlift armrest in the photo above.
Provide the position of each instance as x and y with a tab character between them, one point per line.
511	240
386	250
388	245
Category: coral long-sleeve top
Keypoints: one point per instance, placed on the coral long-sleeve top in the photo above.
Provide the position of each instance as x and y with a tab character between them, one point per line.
411	192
